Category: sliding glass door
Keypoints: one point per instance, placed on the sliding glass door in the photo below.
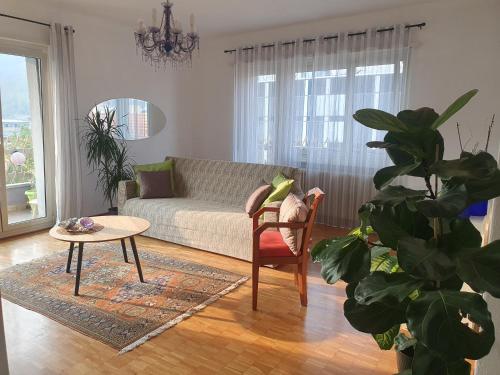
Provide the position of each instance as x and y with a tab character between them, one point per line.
25	199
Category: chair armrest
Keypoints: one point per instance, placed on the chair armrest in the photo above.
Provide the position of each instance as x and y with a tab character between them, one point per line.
127	189
261	228
256	216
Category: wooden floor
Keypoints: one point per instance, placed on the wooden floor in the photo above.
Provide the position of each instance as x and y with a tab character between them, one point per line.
225	338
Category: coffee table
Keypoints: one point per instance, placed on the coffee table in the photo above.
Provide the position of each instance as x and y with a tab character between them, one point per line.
114	228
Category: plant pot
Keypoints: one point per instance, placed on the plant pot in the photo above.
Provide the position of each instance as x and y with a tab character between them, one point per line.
404	359
476	209
30	194
113	211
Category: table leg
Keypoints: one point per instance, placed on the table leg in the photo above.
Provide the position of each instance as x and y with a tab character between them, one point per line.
70	257
79	267
124	249
136	257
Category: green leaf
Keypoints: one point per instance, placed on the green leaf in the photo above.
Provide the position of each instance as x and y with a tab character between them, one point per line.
418	119
385	224
385	262
409	149
480	268
453	108
453	283
425	141
377	317
361	232
380	120
385	340
378	286
483	189
463	234
426	362
404	342
405	372
478	166
450	202
423	259
394	195
435	320
385	176
346	258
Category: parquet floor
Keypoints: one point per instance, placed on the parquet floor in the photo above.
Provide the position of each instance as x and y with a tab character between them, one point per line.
225	338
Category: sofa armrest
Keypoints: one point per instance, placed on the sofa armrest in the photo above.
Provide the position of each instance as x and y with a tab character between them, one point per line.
127	189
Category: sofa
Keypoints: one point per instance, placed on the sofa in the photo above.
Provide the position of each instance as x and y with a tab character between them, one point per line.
208	209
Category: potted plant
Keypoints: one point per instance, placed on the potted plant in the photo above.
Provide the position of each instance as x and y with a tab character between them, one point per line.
407	262
106	152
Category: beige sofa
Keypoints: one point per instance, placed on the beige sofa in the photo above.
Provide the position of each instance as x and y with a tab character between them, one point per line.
208	210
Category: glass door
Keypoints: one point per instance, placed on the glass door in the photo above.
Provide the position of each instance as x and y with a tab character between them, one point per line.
24	201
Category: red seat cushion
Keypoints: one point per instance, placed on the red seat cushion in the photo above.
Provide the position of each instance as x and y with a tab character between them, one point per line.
272	245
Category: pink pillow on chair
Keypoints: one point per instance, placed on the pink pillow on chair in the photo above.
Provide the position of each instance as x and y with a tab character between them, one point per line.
293	210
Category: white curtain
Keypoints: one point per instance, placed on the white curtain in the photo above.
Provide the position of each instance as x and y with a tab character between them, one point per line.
293	105
68	182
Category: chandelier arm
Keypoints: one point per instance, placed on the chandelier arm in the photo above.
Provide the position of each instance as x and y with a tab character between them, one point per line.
166	43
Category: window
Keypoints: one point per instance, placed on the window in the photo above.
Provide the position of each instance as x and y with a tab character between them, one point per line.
26	198
294	104
321	100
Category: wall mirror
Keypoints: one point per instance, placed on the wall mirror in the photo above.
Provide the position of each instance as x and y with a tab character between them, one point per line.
139	119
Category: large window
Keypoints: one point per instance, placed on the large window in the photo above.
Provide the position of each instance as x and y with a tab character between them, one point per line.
294	104
321	102
26	198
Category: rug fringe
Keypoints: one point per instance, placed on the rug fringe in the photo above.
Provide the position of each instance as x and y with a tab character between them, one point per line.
183	316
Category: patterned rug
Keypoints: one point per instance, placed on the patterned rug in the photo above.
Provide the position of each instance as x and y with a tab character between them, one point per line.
114	307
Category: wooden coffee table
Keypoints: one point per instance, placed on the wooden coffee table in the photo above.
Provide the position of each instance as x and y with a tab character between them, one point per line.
114	228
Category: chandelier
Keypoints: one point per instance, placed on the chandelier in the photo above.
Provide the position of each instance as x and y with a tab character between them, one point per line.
167	43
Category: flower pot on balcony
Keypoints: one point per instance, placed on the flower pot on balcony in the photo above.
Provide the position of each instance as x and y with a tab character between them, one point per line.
33	201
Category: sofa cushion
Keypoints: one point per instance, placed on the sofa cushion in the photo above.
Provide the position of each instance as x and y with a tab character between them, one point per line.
257	198
155	184
280	192
293	210
167	165
193	222
272	245
278	179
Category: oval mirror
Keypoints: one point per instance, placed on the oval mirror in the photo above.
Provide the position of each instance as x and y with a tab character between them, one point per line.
138	119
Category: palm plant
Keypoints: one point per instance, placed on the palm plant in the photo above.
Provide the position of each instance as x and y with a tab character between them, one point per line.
107	152
407	262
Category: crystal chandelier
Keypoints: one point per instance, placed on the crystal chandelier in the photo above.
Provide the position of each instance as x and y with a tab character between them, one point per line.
167	43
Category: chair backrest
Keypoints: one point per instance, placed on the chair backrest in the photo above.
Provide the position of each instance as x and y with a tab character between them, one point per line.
318	195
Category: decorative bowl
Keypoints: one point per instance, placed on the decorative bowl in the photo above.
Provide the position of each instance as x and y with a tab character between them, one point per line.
78	225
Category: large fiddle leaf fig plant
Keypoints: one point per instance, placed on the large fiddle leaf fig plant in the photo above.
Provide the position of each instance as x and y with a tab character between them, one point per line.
407	262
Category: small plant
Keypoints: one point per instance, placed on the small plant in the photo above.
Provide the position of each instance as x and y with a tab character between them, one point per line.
408	260
106	151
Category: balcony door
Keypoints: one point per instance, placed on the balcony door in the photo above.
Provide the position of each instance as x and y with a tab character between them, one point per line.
26	198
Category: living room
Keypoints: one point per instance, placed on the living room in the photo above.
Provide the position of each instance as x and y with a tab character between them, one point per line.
257	109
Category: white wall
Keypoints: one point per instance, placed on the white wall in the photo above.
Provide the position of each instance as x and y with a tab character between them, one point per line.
107	66
458	50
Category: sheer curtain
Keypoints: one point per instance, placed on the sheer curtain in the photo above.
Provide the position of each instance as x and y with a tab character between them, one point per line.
64	113
293	105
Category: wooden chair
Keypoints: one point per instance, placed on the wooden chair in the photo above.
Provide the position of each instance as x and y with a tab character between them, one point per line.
269	247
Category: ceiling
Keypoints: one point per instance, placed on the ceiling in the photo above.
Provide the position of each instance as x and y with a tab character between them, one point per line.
215	17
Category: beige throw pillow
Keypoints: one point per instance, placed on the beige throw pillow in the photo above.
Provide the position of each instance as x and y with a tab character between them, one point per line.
293	210
257	198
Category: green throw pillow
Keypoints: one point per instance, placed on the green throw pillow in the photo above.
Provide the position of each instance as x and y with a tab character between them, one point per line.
167	165
279	193
280	177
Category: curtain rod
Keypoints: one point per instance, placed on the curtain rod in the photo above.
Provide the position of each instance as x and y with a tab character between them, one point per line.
28	20
419	25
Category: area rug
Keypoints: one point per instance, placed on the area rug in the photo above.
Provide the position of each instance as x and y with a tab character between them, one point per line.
114	307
